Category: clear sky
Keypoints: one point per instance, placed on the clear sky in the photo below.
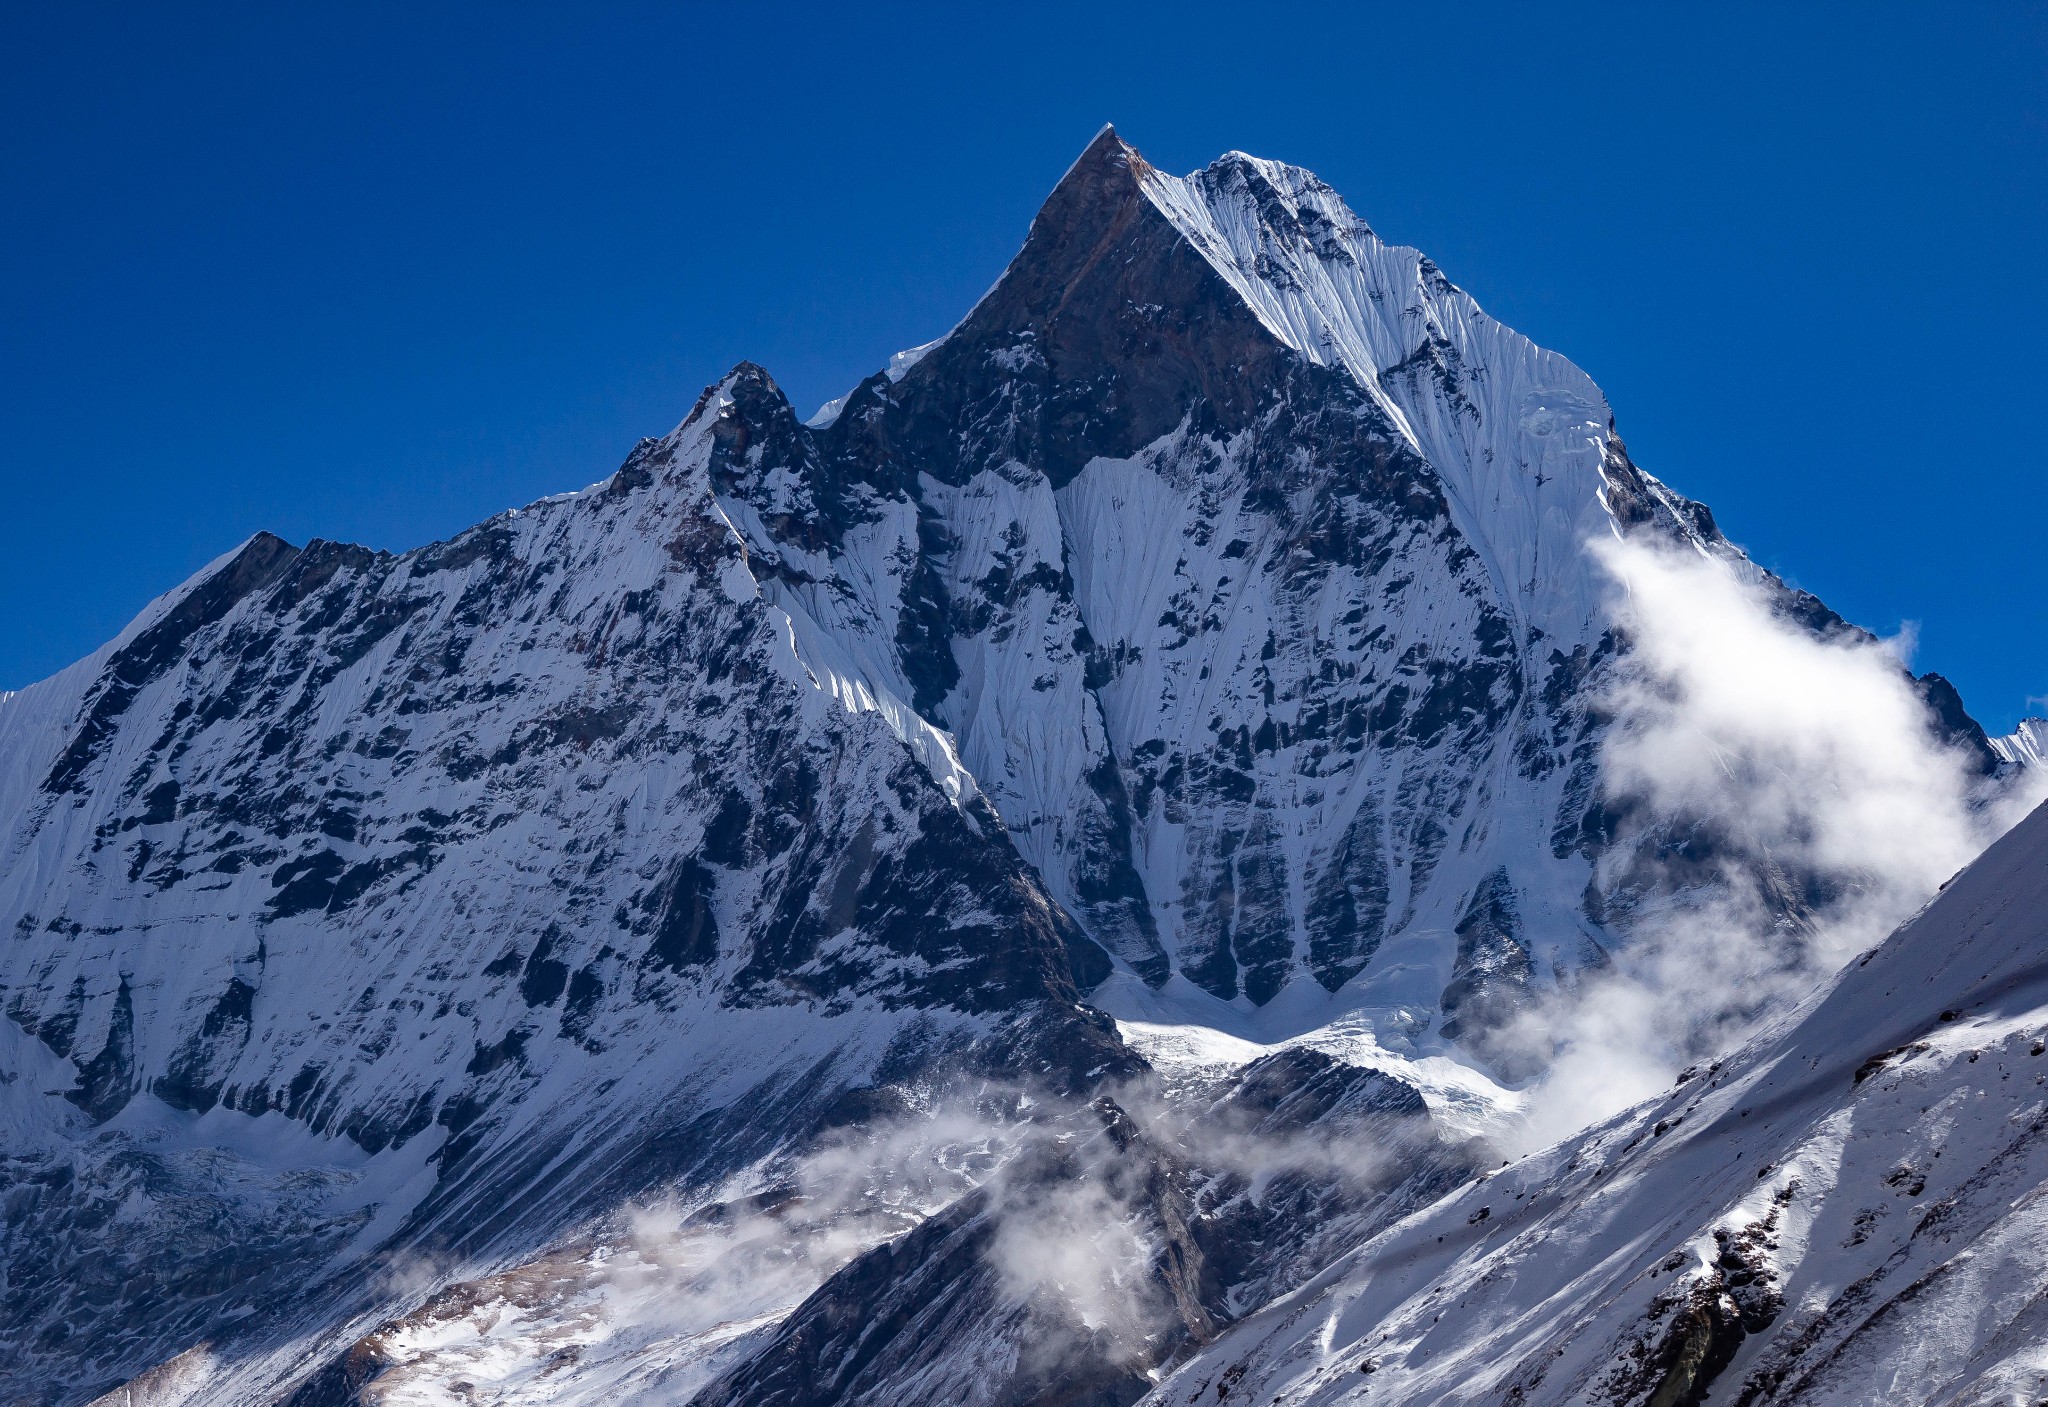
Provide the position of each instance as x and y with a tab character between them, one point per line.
376	273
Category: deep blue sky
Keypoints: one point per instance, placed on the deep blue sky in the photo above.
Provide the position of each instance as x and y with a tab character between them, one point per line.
375	274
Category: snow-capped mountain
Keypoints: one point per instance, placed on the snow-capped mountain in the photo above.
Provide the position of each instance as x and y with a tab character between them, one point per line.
1247	562
662	944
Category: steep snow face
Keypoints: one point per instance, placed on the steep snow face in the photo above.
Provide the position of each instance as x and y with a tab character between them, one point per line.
1244	559
481	883
1516	435
2026	745
1852	1210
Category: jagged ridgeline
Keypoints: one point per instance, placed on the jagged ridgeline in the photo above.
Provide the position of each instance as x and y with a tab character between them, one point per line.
1202	631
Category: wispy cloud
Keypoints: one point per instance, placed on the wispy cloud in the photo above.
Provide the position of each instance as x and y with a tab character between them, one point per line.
1816	811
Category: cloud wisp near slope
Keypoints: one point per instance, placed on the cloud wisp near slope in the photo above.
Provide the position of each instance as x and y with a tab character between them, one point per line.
1847	1210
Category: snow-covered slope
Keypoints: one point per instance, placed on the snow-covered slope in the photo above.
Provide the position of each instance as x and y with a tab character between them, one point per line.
2026	745
360	904
1245	558
1516	435
1853	1210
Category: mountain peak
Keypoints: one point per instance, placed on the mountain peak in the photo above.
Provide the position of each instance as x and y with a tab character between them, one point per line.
1105	145
1107	172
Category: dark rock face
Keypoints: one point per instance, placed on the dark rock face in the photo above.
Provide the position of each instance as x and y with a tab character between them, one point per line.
1491	982
1303	1156
1954	726
1108	330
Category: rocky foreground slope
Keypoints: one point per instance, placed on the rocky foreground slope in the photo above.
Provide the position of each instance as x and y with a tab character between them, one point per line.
1851	1210
662	944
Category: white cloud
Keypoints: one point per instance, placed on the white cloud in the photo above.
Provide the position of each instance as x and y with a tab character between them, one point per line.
1834	813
